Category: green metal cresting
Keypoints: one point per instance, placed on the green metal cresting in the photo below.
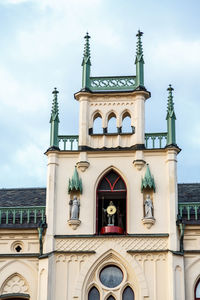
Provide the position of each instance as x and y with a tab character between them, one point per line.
54	120
191	208
22	214
171	118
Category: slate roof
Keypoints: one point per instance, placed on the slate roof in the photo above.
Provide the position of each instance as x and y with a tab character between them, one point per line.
187	192
23	197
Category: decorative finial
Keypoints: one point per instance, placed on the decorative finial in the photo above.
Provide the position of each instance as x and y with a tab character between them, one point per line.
139	50
54	120
148	180
139	61
75	184
54	111
171	117
86	53
170	103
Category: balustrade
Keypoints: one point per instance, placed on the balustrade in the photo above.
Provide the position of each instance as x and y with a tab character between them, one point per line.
21	215
68	142
189	210
113	83
155	140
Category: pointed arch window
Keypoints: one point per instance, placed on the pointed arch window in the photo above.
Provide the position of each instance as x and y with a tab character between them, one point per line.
112	123
197	291
93	294
128	294
126	123
97	124
111	204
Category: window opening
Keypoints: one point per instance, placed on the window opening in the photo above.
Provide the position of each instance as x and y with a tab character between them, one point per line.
126	124
111	298
112	124
18	248
97	125
111	204
93	294
128	294
197	290
111	276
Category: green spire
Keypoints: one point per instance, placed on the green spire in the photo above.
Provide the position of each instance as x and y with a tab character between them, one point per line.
139	61
171	117
148	180
54	120
75	184
86	63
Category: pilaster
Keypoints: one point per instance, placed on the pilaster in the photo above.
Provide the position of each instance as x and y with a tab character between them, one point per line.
172	198
83	121
51	200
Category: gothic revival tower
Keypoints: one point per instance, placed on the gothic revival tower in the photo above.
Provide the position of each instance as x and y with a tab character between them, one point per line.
112	196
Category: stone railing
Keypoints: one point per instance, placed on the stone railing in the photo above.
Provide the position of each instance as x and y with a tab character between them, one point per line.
117	83
22	214
155	140
189	210
68	142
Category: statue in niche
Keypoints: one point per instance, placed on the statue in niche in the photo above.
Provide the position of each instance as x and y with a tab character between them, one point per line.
74	208
148	208
110	211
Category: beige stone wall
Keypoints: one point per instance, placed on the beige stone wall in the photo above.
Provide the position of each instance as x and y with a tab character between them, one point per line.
100	162
19	275
26	239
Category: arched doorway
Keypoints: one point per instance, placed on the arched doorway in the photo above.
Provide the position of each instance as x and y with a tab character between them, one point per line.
111	204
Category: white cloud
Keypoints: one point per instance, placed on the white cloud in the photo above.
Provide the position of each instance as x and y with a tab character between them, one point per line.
21	97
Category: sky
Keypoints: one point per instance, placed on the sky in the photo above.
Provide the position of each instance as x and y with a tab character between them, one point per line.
42	48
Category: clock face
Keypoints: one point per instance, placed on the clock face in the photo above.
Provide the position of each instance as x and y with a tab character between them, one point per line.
111	209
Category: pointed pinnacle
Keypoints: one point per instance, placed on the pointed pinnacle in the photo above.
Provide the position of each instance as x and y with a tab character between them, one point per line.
86	52
170	103
54	111
139	50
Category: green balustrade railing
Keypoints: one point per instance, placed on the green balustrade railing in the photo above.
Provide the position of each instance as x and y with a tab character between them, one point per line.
68	142
116	83
155	140
22	214
189	210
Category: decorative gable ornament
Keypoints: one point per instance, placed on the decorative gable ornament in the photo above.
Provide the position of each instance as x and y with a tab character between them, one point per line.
148	181
75	184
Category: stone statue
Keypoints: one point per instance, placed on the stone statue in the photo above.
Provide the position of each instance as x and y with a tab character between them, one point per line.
148	207
74	208
111	210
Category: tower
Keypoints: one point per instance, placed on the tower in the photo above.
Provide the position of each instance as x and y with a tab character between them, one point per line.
112	194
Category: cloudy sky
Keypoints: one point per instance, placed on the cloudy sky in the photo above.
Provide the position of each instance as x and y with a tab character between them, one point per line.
42	46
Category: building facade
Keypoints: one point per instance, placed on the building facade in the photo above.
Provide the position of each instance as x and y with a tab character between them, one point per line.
112	223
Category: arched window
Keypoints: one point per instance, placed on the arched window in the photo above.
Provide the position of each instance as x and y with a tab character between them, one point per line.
112	124
128	294
197	291
111	204
97	124
126	123
93	294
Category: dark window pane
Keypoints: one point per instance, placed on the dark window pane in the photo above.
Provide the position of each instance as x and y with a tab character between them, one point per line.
111	276
93	294
111	298
128	294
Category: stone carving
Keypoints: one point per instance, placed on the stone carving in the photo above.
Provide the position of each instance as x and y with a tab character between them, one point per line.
74	208
15	284
87	244
74	221
148	207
